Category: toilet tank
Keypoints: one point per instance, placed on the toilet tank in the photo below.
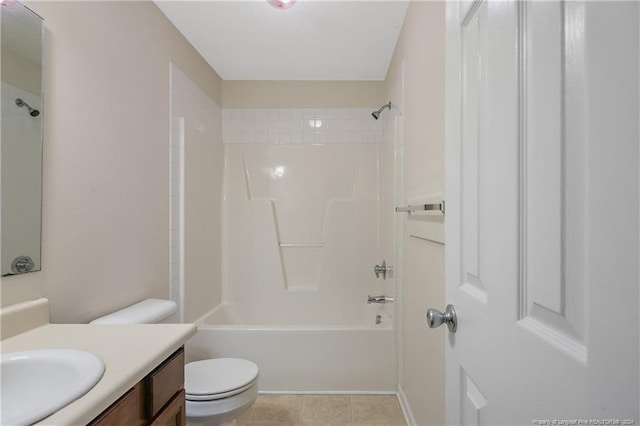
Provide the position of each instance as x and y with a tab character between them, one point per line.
149	311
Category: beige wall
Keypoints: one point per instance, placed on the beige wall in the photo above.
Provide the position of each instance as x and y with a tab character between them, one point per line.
419	61
106	156
302	94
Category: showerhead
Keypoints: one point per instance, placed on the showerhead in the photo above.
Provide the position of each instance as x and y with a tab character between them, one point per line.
376	114
32	111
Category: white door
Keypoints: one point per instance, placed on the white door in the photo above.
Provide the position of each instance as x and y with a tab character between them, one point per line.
542	217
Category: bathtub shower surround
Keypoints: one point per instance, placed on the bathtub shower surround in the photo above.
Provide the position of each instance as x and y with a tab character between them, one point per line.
303	231
303	215
303	228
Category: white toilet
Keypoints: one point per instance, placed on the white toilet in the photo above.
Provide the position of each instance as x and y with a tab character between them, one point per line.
217	390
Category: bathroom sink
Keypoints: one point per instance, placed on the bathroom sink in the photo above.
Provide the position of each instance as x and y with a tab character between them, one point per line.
35	384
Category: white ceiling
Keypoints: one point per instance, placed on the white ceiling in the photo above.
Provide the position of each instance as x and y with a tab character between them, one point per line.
314	40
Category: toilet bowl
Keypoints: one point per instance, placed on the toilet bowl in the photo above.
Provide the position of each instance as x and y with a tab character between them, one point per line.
216	390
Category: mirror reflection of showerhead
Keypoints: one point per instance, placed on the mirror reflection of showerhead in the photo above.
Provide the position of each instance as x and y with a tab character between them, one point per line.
32	111
376	114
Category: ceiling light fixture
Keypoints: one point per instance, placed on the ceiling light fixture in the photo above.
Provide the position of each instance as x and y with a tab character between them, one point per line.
282	4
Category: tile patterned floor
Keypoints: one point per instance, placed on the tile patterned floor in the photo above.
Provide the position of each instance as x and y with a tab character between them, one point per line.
324	410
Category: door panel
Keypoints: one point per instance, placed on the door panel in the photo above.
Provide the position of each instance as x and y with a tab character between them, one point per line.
552	174
470	141
473	402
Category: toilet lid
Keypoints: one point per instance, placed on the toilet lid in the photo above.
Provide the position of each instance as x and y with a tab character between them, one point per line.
212	377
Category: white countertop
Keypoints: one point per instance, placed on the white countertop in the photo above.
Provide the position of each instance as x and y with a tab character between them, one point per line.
129	353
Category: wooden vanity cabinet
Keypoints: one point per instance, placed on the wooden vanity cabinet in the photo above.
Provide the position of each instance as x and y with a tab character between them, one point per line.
156	400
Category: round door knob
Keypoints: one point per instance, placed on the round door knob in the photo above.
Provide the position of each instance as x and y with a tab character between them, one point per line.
435	318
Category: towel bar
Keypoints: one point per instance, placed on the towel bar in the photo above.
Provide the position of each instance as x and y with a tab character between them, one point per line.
422	207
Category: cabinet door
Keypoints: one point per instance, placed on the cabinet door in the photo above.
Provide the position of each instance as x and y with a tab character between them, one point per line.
128	410
173	414
163	383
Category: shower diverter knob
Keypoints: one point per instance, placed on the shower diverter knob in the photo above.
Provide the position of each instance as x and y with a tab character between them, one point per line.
382	270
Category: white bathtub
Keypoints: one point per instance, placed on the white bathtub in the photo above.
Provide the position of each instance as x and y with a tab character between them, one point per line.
312	358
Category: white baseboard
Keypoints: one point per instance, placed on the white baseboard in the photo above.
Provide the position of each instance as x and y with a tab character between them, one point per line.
406	409
353	392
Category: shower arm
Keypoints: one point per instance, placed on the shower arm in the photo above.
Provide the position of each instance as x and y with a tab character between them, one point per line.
376	114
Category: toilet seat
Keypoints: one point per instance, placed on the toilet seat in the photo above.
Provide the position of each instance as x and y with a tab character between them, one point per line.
219	378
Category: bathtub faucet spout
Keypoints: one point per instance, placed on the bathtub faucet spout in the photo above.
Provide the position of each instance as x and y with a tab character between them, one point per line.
379	299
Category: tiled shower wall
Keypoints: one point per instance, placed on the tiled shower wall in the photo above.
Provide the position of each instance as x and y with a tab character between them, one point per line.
302	125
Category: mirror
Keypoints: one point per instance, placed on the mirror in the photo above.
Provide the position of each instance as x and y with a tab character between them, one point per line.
21	137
